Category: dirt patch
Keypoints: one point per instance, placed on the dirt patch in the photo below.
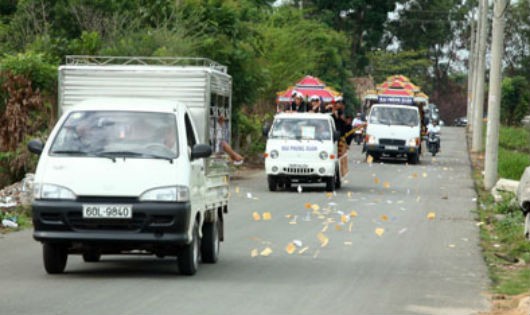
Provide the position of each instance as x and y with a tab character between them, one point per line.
509	305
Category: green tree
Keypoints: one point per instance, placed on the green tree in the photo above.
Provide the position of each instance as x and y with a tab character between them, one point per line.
515	101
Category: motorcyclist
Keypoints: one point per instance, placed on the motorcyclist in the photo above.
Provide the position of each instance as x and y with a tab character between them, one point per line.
357	121
434	128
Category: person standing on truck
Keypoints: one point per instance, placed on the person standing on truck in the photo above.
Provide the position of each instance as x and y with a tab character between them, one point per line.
316	105
222	143
298	105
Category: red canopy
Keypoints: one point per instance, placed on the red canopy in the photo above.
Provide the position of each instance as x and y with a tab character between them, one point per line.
309	86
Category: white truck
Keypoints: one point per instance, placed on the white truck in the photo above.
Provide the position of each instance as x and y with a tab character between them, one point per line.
128	168
394	130
302	148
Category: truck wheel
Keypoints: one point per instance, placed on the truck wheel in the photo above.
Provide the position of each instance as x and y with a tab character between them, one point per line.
54	256
330	184
413	158
210	242
91	256
338	182
188	256
273	185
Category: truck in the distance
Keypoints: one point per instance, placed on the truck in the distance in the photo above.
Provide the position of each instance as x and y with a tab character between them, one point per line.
128	168
396	123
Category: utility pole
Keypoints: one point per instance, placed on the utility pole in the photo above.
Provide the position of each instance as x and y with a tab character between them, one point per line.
478	110
475	72
471	70
494	95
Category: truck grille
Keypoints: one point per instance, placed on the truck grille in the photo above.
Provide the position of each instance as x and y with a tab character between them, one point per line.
298	170
391	142
77	222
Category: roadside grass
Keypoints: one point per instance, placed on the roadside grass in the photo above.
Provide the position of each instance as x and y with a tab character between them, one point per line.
515	138
20	214
506	251
511	164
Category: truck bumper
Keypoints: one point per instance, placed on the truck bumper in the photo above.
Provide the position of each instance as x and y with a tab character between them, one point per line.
302	172
152	223
391	150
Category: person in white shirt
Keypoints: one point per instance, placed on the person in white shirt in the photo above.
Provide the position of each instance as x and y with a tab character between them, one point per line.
357	120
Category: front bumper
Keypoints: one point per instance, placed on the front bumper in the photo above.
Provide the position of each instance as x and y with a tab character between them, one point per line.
151	223
299	170
391	149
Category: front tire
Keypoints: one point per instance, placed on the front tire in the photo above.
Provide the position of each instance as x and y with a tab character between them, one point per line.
330	184
188	256
273	185
55	257
413	158
210	242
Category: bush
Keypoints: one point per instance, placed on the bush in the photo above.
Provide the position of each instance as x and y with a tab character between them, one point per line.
512	163
515	100
33	66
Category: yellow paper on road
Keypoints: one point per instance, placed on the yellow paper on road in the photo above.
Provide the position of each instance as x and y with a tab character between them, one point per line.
324	240
256	216
377	181
267	216
353	213
254	253
384	217
338	227
315	207
386	185
303	250
369	159
344	218
290	248
237	189
431	215
266	252
379	231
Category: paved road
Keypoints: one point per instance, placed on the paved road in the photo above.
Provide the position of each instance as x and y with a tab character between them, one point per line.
417	266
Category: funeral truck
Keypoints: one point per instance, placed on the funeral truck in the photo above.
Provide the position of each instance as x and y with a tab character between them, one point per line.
131	165
303	148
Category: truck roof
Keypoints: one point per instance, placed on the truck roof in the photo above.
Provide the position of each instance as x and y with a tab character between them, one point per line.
304	115
129	104
395	105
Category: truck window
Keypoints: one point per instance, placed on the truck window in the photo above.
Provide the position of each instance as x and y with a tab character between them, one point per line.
190	135
394	116
131	134
301	129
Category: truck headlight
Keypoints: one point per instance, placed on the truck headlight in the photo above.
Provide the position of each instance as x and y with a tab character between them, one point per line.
413	142
323	155
274	154
371	139
167	194
52	191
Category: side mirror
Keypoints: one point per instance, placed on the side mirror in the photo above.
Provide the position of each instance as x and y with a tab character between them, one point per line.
201	151
35	146
336	136
266	129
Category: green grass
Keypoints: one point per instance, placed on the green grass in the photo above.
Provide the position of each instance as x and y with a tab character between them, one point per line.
515	138
514	283
512	163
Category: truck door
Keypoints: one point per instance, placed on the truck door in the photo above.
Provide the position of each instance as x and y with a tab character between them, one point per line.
197	177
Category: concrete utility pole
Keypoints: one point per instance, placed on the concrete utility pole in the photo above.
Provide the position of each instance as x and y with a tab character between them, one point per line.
476	144
494	95
475	72
471	70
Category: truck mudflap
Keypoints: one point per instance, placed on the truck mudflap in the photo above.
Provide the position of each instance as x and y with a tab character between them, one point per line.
343	165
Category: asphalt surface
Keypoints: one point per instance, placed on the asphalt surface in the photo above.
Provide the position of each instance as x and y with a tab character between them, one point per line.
412	248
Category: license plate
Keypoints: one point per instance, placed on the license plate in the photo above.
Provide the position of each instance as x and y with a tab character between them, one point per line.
298	165
107	211
391	147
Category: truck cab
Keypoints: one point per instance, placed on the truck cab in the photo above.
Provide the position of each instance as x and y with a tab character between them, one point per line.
302	148
394	130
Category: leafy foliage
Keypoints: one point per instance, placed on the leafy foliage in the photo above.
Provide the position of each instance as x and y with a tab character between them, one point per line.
515	101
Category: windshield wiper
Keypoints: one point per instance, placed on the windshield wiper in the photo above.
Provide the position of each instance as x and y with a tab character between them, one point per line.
72	152
124	154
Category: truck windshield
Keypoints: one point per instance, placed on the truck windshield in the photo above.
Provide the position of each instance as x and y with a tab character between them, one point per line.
301	129
394	116
117	134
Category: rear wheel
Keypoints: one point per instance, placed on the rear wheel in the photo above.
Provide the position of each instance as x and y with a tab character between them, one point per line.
188	256
91	256
210	242
55	257
273	185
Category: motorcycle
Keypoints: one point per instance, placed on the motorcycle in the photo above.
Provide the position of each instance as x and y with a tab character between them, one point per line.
358	136
433	143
